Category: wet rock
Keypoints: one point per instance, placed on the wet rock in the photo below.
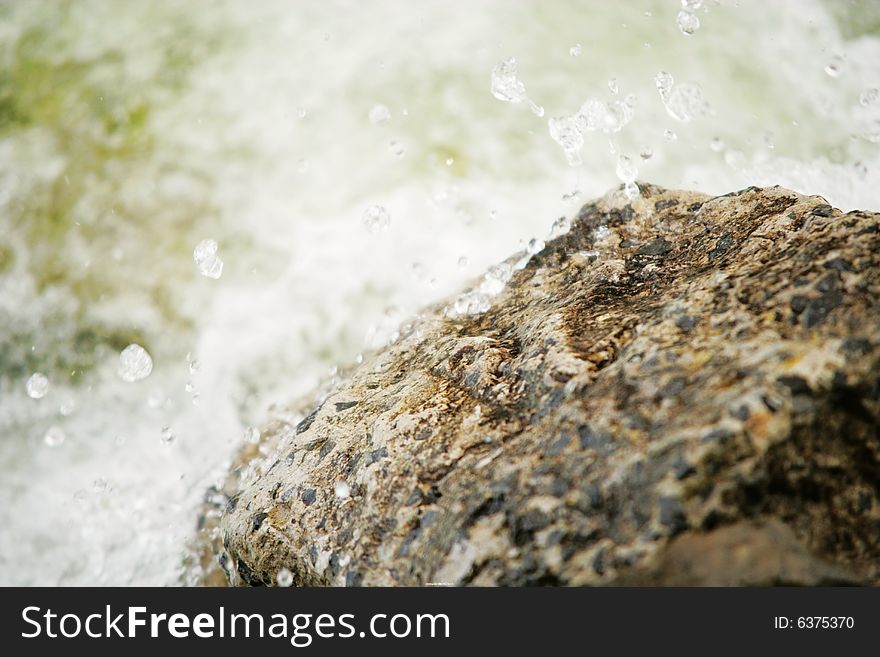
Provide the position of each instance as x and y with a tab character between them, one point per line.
761	552
698	405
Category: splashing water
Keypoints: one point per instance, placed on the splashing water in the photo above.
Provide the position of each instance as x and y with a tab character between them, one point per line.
376	218
54	436
508	87
568	132
594	115
683	102
379	115
135	363
341	490
687	22
397	149
284	578
37	385
535	246
252	435
121	150
626	169
205	256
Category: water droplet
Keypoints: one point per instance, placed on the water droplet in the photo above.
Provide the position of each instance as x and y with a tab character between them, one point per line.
67	408
54	436
607	117
717	145
252	435
449	161
207	260
646	153
37	385
560	227
683	102
397	149
670	135
626	170
688	23
664	82
376	218
192	364
190	386
592	114
478	301
99	485
535	246
341	490
869	97
301	112
834	67
284	578
872	131
470	303
571	198
506	86
462	262
575	50
496	278
691	5
631	190
379	115
167	436
567	132
613	86
134	364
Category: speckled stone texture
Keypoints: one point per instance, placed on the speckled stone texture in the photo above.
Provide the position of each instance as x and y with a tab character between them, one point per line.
698	405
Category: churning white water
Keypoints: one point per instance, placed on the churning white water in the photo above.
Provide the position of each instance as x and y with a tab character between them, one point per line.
207	206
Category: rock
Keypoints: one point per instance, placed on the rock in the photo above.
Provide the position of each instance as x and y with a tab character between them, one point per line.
747	553
698	405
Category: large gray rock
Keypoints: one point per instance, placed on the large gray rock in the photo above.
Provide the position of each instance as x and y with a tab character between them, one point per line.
696	403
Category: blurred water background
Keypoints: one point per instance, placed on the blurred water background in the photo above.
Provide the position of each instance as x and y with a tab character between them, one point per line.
130	132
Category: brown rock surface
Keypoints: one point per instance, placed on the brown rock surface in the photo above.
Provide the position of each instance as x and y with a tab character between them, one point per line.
698	404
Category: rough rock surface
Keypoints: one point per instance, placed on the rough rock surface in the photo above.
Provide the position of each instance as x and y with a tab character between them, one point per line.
698	404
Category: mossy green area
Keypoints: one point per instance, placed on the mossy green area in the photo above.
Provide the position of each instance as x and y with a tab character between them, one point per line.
856	18
79	162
